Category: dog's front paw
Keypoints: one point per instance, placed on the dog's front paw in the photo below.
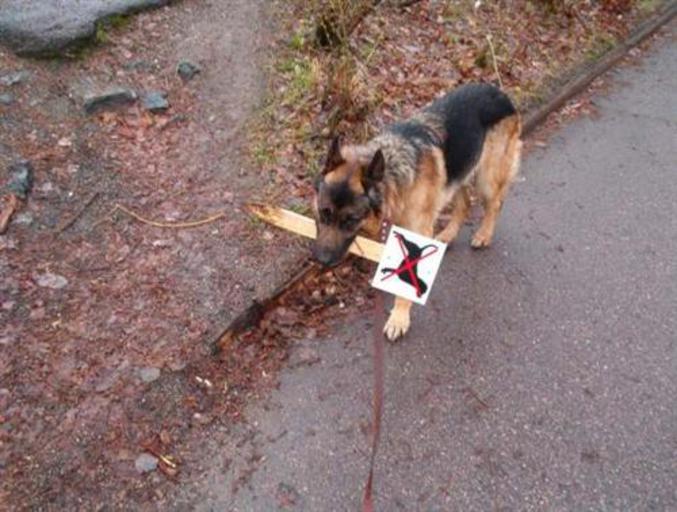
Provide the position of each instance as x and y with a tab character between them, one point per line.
397	325
481	240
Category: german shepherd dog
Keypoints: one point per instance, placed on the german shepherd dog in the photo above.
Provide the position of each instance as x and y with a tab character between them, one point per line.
413	169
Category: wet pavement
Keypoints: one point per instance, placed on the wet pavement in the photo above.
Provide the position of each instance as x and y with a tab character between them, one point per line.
542	373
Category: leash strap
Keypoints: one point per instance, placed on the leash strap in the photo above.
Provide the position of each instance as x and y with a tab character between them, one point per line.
377	410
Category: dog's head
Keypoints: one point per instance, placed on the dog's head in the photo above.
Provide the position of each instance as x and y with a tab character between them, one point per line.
347	192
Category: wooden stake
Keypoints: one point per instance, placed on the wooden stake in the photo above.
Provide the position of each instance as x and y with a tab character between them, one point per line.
304	226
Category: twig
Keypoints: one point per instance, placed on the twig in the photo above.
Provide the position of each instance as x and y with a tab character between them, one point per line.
572	9
174	225
103	219
78	214
493	59
337	24
474	394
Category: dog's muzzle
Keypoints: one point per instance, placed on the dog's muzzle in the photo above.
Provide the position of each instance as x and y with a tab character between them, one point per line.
330	256
327	256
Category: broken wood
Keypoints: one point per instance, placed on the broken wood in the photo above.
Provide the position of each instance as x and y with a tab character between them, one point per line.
305	226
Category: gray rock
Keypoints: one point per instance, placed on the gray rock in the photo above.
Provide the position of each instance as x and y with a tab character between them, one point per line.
41	28
49	280
149	373
21	178
155	101
140	65
187	70
7	243
6	99
110	376
24	218
47	188
16	77
108	99
145	463
287	496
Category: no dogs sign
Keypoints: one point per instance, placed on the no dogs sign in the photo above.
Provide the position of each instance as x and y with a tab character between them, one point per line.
408	265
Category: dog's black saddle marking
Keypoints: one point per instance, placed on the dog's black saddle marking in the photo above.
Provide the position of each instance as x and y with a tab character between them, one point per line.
466	114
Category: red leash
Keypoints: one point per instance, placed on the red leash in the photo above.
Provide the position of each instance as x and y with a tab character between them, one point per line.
377	411
367	502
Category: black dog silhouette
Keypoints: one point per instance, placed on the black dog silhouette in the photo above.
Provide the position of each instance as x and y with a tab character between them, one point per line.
414	252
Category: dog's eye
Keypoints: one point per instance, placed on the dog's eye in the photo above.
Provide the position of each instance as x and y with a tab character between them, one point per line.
325	215
350	222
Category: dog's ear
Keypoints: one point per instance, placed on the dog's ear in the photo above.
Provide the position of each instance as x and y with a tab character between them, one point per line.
375	171
334	157
372	176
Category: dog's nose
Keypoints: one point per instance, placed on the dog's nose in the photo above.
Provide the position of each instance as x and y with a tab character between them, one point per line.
324	255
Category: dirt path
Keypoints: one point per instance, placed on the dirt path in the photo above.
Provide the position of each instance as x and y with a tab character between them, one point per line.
102	317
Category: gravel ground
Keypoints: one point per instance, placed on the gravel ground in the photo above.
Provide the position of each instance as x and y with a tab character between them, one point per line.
96	307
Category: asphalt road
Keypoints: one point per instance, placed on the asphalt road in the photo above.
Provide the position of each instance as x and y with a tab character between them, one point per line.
542	373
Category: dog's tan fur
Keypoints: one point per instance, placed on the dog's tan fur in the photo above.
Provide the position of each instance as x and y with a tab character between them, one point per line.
416	205
497	167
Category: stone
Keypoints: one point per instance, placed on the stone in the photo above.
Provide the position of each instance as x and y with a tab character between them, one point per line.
108	99
47	188
7	243
145	463
187	70
49	280
21	178
110	376
155	101
24	218
6	99
140	65
45	28
37	313
149	373
16	77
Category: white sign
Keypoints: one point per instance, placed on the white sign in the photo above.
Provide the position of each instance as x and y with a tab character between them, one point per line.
408	265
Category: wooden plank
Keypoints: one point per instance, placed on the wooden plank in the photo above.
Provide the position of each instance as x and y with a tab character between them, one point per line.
305	226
